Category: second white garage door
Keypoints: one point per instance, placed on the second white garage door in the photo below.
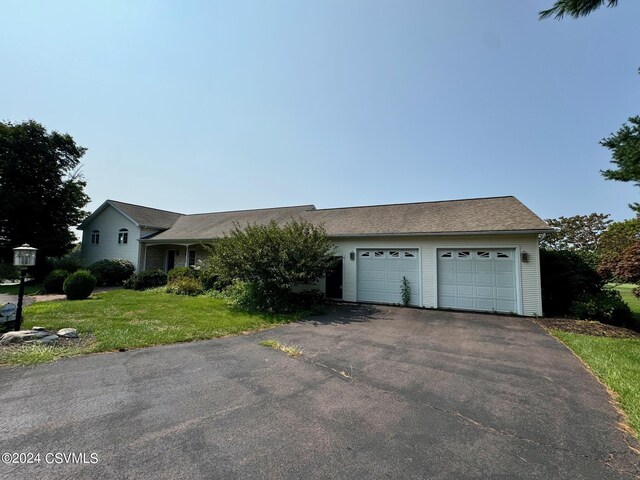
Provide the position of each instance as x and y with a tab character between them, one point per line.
380	275
477	279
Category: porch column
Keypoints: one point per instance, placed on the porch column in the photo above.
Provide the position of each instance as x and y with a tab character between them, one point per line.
186	256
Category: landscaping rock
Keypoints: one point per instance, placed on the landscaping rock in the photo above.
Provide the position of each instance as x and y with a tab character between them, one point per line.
38	329
23	336
48	339
67	333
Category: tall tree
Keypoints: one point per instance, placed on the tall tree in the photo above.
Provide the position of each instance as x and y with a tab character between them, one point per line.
580	233
41	189
575	8
625	153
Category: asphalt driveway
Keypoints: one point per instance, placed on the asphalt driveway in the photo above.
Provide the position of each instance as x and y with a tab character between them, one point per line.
380	392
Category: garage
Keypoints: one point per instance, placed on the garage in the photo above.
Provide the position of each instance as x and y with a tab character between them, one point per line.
477	279
380	272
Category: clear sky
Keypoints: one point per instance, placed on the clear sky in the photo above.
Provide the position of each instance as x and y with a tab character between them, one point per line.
198	106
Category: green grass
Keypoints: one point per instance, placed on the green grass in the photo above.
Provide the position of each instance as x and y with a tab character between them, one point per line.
626	290
124	319
616	362
13	289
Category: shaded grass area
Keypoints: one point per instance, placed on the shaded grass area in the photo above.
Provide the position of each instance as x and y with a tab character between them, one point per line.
29	289
124	319
616	362
626	290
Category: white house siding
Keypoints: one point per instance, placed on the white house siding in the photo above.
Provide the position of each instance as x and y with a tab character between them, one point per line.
529	272
109	222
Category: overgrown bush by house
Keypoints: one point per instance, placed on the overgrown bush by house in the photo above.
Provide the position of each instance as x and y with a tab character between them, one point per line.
263	263
181	272
110	273
250	297
145	280
565	277
54	282
606	306
79	285
185	286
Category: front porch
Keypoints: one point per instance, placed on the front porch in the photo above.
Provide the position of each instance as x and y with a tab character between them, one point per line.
167	256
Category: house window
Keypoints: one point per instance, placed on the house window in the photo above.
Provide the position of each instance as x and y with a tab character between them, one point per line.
123	236
365	254
409	254
445	255
95	237
192	258
394	254
483	254
464	254
503	255
379	253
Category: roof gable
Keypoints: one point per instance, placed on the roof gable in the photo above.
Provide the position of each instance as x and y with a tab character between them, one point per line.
139	215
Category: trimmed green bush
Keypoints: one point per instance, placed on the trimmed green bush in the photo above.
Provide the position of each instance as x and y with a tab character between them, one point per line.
111	273
181	272
79	285
185	286
606	306
144	280
54	282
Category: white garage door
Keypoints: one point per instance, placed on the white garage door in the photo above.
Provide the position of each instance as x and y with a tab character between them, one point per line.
477	279
380	275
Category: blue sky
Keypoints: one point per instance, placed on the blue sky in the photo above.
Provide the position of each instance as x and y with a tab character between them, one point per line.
199	106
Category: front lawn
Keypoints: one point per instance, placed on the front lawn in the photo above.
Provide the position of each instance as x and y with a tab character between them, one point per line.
124	319
29	289
616	362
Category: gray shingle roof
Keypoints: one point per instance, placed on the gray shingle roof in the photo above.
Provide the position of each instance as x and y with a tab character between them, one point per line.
205	226
147	216
143	216
480	215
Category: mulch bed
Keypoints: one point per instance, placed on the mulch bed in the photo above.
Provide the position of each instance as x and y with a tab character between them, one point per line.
587	327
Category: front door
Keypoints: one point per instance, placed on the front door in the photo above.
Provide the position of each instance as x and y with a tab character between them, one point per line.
171	259
334	281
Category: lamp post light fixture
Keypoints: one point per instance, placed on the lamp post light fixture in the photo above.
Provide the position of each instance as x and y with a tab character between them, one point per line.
23	257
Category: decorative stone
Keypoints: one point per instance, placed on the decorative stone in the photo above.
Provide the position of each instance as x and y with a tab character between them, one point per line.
38	329
67	333
22	336
48	339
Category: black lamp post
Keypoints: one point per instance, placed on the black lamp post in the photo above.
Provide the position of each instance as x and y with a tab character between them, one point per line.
23	257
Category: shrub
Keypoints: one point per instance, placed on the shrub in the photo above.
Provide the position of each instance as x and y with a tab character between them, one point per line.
8	272
250	297
271	260
69	262
110	273
606	306
566	277
79	285
54	282
185	286
144	280
181	272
